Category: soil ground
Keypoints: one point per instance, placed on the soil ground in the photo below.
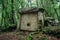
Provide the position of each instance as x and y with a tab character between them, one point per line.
8	36
19	36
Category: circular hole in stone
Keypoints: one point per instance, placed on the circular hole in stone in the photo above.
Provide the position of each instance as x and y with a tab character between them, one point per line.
28	24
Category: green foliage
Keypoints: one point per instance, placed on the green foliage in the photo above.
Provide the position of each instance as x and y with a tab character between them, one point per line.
0	1
29	37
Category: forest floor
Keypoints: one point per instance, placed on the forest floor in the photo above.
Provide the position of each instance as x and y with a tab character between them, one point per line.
18	36
8	36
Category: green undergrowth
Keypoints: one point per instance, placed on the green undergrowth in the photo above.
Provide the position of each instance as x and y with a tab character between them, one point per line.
54	31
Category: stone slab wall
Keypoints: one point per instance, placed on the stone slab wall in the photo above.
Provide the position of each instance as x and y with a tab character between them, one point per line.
29	22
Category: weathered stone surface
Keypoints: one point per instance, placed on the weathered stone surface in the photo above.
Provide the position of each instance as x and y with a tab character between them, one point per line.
30	19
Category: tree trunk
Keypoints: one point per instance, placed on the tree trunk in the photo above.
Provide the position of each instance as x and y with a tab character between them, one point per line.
12	11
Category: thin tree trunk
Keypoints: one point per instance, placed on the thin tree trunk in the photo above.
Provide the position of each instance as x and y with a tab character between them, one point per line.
2	11
12	11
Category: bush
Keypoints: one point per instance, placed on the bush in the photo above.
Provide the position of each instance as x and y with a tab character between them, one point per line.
42	38
54	31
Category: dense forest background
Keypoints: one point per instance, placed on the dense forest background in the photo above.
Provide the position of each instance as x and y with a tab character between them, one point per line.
9	10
